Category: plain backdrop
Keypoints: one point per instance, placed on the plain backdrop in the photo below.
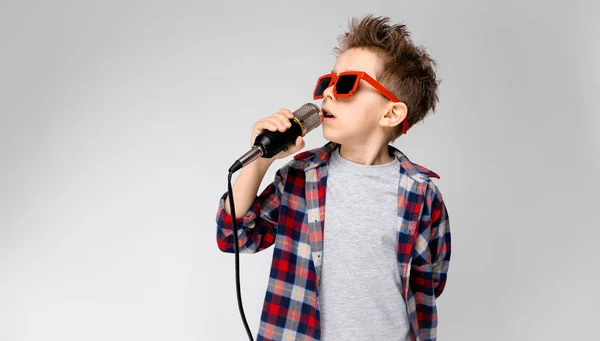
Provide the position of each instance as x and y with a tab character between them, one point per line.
119	120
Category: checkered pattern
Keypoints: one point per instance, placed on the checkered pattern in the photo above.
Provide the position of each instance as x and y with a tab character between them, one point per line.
290	213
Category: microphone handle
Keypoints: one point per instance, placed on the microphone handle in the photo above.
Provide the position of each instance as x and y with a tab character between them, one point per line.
273	142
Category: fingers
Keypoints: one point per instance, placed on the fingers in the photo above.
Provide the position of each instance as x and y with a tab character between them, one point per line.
286	113
266	124
280	121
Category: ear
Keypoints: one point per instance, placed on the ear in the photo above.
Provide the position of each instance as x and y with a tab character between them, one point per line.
394	115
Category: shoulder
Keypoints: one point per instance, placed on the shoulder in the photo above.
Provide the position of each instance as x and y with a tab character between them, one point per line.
416	171
305	156
313	157
434	202
319	153
426	172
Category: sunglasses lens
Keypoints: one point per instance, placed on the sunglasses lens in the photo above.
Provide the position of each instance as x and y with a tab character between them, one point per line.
322	85
345	84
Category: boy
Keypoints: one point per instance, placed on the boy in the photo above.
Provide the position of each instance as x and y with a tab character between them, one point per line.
361	234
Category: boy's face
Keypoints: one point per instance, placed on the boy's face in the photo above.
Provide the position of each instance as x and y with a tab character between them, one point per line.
358	118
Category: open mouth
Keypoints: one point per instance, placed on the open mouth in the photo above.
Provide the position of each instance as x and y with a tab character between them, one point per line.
327	114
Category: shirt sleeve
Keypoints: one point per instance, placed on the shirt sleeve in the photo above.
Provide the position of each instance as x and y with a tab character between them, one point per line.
258	227
440	242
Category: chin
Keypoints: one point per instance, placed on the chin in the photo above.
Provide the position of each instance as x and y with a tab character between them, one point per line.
332	137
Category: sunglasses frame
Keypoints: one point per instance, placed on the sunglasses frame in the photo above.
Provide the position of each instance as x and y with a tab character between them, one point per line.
359	75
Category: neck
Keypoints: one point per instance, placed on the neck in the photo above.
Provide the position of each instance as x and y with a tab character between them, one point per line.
364	155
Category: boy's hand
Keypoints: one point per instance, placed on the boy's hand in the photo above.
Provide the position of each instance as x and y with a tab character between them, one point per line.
279	121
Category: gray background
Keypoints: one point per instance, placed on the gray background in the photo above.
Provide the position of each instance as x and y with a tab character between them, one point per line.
119	120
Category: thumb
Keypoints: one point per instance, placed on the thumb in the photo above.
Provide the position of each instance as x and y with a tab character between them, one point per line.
299	143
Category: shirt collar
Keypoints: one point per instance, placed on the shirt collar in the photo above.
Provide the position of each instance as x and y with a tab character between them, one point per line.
319	156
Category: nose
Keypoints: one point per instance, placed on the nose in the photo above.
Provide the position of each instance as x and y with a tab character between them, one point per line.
328	93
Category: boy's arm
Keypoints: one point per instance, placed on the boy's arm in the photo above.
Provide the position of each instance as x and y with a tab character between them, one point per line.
257	223
440	243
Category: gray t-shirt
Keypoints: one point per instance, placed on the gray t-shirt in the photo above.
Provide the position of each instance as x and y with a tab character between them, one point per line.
359	290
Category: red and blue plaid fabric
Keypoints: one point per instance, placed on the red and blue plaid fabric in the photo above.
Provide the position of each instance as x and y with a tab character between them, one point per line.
290	213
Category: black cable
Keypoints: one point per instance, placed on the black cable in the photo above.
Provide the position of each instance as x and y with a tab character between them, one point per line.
237	257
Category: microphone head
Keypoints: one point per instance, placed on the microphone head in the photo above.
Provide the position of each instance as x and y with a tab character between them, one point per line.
308	116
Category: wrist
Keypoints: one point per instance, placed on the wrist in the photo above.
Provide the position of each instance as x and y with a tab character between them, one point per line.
261	164
264	162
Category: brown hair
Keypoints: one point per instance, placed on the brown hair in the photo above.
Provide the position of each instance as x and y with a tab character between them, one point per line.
408	70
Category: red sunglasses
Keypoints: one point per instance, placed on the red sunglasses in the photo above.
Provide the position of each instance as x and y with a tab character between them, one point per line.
345	85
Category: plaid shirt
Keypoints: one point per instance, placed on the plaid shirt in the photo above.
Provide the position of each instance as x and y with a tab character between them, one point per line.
290	213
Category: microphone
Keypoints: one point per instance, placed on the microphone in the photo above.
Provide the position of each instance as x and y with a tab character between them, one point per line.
270	143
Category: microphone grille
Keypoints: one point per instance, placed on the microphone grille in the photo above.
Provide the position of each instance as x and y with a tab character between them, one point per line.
309	117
